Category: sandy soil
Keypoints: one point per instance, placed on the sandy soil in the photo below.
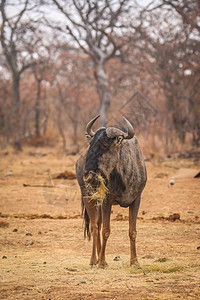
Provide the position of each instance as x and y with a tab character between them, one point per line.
43	254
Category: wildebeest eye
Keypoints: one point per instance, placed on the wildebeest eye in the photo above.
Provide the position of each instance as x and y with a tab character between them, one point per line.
88	137
119	139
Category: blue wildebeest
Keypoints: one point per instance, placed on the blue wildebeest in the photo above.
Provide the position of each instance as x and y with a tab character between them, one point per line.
116	156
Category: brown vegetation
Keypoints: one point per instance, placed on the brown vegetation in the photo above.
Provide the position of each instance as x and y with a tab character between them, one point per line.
122	59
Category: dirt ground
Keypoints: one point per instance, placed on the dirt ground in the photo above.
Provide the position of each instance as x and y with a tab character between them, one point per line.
43	254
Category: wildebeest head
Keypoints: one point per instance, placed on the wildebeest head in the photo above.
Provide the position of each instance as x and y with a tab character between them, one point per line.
103	153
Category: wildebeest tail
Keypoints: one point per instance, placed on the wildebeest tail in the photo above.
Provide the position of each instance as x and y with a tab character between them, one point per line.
87	225
87	232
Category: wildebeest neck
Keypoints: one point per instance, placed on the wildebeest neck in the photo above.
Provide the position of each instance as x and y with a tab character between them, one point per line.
99	145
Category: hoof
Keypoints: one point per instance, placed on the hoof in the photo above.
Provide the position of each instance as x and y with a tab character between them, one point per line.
102	265
93	262
134	263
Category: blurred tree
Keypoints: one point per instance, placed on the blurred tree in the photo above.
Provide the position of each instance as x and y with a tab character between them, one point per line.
17	38
189	11
40	71
120	46
94	26
172	48
72	89
5	106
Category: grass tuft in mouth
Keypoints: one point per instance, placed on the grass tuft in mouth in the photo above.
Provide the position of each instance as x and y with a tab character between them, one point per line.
97	194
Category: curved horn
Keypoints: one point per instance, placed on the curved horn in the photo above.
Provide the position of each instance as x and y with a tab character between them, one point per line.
131	132
89	126
114	132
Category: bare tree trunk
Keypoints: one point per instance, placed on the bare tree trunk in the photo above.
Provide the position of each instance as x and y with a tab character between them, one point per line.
45	120
12	30
75	121
6	122
16	122
103	92
60	128
179	125
96	40
46	115
37	108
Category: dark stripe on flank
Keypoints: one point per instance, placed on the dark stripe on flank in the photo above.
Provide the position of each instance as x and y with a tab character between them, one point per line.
116	182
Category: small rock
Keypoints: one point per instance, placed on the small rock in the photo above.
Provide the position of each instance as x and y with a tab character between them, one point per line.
4	257
143	213
44	263
29	234
29	243
117	258
198	248
70	269
15	230
174	217
39	232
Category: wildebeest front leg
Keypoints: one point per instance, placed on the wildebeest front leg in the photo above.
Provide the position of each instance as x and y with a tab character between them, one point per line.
99	221
106	209
92	212
133	211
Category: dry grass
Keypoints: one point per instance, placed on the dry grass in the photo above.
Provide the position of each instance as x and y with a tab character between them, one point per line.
99	193
169	266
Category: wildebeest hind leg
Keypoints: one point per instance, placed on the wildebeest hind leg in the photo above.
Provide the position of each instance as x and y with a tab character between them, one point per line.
133	211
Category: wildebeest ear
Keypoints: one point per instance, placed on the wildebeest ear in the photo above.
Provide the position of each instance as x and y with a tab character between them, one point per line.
119	139
88	137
